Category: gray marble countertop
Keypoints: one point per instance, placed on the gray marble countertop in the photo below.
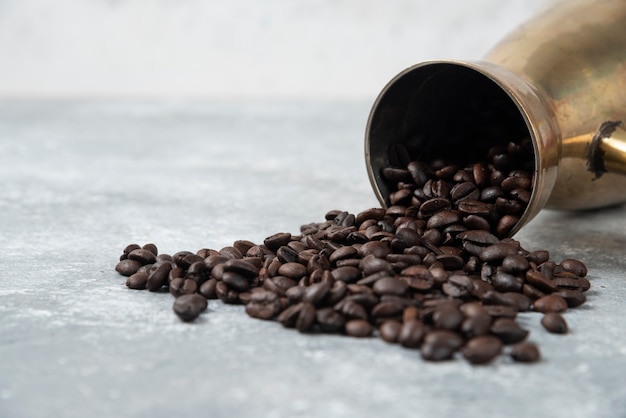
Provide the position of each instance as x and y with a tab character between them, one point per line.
81	180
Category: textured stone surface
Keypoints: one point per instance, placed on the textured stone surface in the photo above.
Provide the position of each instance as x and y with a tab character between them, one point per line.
79	181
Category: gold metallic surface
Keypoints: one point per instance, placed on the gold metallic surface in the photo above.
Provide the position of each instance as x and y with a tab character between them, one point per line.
565	71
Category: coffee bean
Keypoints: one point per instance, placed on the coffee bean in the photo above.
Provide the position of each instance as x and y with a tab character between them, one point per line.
143	256
550	303
189	307
358	328
497	252
449	317
573	298
411	333
539	281
525	353
127	267
274	242
330	320
574	266
347	274
504	282
158	277
440	345
482	349
477	324
207	289
390	286
387	309
390	330
306	317
515	263
554	323
508	331
137	281
292	270
241	267
263	305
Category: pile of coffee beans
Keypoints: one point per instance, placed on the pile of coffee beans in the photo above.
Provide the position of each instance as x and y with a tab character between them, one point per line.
434	271
383	272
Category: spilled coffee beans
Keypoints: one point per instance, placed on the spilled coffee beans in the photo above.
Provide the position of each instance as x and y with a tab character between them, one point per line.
434	271
378	273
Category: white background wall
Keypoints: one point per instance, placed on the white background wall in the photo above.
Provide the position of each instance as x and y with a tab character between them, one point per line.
236	49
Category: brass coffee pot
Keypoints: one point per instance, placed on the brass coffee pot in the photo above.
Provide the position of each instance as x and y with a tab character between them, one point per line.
564	71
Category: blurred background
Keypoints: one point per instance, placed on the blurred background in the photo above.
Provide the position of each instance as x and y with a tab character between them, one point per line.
236	49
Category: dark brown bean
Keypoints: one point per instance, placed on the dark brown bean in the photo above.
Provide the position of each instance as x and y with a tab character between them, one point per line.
389	331
411	333
127	267
137	281
525	353
189	307
482	349
263	305
508	331
358	328
554	323
440	345
550	303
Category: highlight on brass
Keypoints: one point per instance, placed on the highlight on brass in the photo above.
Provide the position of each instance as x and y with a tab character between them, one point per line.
558	80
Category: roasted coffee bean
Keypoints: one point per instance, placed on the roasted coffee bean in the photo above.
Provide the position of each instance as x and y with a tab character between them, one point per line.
449	317
241	267
137	281
465	190
411	333
390	286
550	303
387	309
347	274
143	256
525	353
573	298
476	324
482	349
127	267
351	309
515	263
497	252
458	286
574	266
263	305
316	292
358	328
501	311
189	307
474	207
225	294
274	242
390	330
505	282
292	270
151	248
440	345
235	281
508	331
434	205
306	317
554	323
158	277
330	320
207	289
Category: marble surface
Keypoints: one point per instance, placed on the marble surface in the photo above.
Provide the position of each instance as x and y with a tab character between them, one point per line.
81	180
